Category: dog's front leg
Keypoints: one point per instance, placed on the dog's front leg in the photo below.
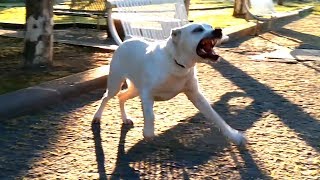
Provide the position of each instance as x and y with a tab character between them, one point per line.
147	107
205	108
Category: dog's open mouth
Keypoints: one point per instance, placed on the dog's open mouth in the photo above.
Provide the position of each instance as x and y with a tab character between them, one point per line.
205	49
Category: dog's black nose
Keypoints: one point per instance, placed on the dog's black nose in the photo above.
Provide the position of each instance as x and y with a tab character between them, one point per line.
217	33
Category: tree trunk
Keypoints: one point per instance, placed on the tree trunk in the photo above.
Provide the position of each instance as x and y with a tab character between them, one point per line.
187	4
239	9
280	2
39	33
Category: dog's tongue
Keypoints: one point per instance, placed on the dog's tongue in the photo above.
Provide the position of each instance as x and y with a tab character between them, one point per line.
213	56
207	50
207	45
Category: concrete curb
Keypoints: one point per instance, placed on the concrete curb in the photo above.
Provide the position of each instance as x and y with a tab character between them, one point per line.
250	28
34	98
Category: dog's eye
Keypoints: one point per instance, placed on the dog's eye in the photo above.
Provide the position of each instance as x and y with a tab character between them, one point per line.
199	29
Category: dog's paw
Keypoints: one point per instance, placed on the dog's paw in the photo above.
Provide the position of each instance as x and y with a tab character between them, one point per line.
127	122
96	120
148	139
148	135
238	138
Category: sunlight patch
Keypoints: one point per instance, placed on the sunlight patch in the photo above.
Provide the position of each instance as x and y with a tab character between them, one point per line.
280	149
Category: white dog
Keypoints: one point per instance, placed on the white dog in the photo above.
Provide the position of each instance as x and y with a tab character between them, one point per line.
158	71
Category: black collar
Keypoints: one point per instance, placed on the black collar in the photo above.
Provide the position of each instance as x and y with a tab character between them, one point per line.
178	63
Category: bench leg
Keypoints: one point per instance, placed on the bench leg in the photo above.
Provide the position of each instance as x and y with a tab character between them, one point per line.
108	29
270	25
98	22
74	21
256	29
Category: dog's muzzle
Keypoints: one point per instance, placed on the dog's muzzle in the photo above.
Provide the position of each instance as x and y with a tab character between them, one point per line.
205	46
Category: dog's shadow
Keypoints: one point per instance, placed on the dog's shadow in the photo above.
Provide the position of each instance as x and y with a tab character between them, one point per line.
122	164
96	130
181	148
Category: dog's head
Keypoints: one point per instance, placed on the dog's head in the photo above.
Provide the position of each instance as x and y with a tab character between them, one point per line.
195	42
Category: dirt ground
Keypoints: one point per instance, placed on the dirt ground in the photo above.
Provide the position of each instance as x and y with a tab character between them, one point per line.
68	60
276	105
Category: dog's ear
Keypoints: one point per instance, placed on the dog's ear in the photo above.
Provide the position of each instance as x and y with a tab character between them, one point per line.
175	34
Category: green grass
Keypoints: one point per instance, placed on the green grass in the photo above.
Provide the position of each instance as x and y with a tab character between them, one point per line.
17	15
11	4
219	17
97	5
316	9
291	6
198	4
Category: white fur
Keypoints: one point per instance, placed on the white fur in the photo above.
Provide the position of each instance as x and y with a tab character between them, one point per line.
152	73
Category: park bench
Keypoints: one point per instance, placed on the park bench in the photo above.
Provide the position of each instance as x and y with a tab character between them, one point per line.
151	19
262	11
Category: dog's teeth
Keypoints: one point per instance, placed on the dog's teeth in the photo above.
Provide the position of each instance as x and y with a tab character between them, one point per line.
203	50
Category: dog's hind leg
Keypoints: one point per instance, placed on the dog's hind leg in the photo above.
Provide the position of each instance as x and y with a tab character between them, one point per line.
123	96
114	85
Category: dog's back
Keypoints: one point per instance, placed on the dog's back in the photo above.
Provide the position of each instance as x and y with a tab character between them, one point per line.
136	58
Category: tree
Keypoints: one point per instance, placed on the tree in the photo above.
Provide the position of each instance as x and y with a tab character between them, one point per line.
239	9
187	4
38	46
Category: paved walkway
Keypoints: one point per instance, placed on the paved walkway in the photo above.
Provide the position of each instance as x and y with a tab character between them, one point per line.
277	105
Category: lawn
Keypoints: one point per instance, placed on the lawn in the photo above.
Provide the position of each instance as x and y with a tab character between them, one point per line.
223	17
17	15
291	6
216	17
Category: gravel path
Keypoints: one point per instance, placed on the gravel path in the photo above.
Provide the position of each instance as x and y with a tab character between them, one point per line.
277	105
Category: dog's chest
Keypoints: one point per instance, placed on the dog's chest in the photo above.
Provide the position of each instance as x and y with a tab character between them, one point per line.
168	89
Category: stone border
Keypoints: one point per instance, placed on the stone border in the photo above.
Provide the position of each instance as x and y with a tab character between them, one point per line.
34	98
251	27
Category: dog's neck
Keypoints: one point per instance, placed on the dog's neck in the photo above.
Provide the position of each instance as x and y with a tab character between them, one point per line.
179	59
